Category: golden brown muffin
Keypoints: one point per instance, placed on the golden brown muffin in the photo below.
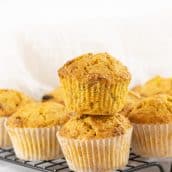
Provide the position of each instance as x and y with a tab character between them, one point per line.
94	84
88	127
94	67
157	85
152	121
11	100
156	109
38	115
132	99
37	124
56	95
100	143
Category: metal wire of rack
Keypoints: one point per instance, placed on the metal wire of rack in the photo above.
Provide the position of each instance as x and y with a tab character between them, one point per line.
135	163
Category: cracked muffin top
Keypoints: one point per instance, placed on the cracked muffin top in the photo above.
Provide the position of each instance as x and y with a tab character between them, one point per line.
56	95
38	115
157	85
152	110
11	100
88	127
95	67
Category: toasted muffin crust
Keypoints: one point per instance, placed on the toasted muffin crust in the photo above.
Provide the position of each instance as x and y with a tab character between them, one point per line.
131	100
11	100
157	85
37	115
88	127
56	95
152	110
95	67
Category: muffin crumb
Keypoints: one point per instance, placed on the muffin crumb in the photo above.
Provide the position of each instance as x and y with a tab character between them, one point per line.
157	85
11	100
93	67
37	115
88	127
152	110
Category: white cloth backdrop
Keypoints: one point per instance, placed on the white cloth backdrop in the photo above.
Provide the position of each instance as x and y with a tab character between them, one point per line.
30	58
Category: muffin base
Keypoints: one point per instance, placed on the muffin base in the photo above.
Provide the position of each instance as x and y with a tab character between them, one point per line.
5	141
96	154
94	98
152	140
35	143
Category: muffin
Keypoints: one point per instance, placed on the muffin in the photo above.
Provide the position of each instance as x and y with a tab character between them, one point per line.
96	143
10	101
56	95
131	100
33	128
157	85
152	121
95	84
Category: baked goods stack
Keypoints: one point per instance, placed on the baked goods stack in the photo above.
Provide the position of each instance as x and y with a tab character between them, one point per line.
87	117
97	137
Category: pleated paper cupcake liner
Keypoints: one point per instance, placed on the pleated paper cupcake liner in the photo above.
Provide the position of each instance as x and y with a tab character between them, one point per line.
5	141
152	140
95	99
96	154
35	143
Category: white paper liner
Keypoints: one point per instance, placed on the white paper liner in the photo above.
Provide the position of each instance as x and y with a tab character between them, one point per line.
5	141
96	155
152	140
35	143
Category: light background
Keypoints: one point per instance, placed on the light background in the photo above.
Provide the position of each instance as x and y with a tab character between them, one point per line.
38	36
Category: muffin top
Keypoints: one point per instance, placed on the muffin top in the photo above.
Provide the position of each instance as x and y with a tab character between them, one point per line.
157	85
38	115
88	127
152	110
131	100
95	67
11	100
56	95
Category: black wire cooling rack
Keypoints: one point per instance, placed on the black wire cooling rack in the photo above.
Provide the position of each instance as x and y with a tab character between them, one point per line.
135	163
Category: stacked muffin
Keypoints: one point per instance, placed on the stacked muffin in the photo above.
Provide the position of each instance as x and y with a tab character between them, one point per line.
96	138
